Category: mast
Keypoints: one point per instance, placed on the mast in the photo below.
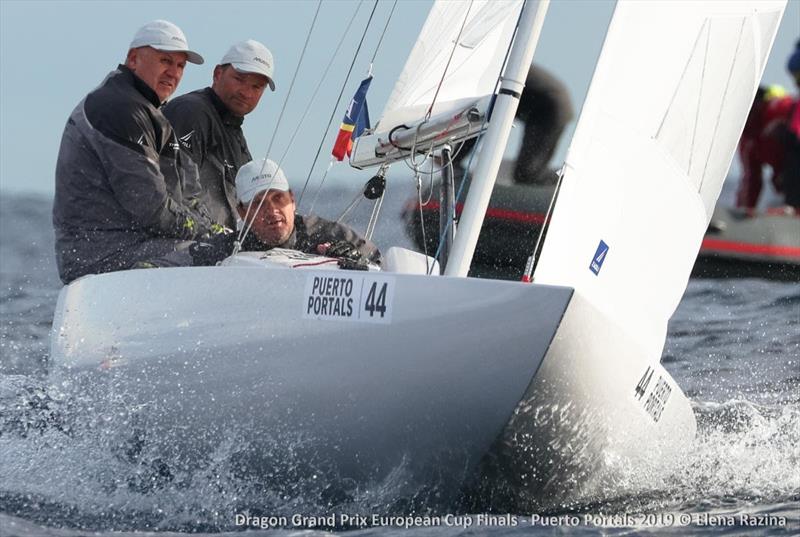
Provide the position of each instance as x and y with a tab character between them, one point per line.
494	144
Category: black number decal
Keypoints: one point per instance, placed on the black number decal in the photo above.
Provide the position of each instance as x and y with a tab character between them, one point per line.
370	304
644	382
376	304
381	305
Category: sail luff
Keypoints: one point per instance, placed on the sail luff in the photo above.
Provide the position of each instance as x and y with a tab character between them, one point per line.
491	155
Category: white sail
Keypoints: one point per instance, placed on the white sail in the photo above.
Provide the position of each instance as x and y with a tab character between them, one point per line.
659	127
488	26
452	72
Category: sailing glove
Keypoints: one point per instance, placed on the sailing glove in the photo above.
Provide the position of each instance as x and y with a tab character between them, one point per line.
343	250
350	264
212	250
349	256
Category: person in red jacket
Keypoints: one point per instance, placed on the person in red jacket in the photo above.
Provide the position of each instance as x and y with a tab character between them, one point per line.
790	177
763	143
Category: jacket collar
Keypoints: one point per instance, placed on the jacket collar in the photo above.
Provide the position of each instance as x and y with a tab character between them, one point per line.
140	85
226	115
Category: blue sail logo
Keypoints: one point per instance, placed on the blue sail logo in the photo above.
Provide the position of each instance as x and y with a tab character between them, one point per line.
599	257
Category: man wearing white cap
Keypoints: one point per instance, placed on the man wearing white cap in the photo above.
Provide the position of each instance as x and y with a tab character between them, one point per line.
125	196
266	203
208	122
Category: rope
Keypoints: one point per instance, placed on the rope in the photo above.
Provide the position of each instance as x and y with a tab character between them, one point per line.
373	219
467	177
383	33
535	255
294	78
247	225
336	106
319	84
444	74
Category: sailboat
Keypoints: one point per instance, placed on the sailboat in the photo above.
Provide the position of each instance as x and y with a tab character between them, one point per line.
404	376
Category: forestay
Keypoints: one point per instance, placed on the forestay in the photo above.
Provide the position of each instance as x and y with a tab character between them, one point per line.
659	127
477	34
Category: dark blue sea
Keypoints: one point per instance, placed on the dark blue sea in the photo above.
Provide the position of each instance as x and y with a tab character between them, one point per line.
733	346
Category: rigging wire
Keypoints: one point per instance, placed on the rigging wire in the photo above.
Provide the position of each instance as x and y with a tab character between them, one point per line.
411	161
467	178
545	224
246	227
336	107
383	33
451	217
294	79
452	53
428	265
321	80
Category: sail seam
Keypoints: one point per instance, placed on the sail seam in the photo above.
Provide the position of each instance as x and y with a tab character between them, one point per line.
724	98
678	85
708	23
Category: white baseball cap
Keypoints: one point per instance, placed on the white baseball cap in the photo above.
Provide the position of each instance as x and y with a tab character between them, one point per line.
250	56
256	176
164	36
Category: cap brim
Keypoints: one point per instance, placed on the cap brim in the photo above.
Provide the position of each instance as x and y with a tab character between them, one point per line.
191	56
249	196
241	68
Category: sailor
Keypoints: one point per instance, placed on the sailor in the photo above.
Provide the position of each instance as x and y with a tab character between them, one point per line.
763	143
791	169
267	204
125	197
545	109
208	123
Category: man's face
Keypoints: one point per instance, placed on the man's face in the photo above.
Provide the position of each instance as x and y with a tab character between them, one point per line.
160	70
240	92
274	222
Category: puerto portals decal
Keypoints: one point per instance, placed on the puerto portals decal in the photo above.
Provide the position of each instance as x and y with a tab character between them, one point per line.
599	257
336	297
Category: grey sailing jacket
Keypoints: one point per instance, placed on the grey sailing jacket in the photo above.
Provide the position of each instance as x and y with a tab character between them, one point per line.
213	137
121	181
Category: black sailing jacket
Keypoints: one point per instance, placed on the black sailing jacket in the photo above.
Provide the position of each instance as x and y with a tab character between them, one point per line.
311	231
120	180
213	137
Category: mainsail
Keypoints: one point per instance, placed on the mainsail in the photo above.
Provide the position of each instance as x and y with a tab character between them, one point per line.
659	127
454	65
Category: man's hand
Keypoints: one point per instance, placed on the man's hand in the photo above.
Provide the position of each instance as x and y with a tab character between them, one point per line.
349	256
212	250
340	249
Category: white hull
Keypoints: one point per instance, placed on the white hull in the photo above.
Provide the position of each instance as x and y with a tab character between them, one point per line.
211	353
359	401
583	429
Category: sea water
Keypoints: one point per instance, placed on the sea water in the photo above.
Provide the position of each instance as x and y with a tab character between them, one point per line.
733	346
